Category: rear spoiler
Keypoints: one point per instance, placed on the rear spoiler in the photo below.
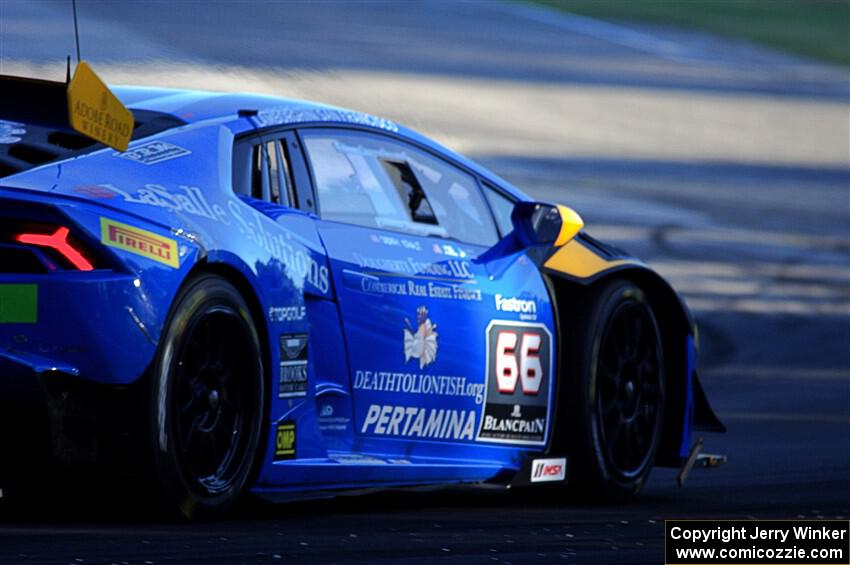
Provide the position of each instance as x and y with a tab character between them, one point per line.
38	102
84	105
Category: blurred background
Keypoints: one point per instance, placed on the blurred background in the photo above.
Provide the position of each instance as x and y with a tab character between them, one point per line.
710	137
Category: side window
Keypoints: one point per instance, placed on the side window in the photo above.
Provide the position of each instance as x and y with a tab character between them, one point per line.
261	170
502	207
372	181
275	176
410	191
259	175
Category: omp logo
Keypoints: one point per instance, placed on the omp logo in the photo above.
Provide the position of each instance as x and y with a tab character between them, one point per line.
139	241
285	441
548	470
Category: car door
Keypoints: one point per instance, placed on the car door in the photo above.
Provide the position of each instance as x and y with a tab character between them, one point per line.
311	388
428	324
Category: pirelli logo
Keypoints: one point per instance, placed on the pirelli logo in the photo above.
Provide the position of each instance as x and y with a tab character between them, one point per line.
139	241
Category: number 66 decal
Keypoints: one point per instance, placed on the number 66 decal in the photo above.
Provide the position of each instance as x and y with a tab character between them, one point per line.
519	383
521	363
518	358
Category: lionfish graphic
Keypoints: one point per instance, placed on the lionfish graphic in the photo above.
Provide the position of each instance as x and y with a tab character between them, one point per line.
422	343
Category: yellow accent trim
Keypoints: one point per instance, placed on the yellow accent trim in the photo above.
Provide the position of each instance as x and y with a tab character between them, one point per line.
577	260
97	113
571	224
139	241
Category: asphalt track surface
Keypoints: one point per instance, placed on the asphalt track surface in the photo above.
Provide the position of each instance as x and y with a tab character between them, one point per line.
723	165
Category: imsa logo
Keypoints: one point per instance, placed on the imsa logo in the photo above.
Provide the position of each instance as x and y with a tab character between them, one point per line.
548	470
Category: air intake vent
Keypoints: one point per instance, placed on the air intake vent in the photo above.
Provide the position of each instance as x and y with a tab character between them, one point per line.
68	140
31	154
19	260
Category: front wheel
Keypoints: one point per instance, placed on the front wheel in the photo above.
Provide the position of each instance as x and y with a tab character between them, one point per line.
617	388
207	396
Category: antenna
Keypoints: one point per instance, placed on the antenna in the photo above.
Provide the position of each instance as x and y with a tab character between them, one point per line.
76	29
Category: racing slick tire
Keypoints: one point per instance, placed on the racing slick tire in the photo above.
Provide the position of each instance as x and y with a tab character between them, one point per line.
207	395
617	389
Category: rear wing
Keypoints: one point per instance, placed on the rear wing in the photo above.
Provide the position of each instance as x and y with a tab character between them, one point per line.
32	101
85	105
43	121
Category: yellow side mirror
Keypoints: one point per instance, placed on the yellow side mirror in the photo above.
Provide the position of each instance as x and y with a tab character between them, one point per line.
539	223
571	224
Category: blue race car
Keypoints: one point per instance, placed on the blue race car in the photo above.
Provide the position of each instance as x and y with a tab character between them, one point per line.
278	297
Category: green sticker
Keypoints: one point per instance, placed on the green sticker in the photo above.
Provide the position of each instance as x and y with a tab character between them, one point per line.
18	303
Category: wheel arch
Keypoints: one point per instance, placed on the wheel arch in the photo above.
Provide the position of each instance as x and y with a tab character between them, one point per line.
679	334
242	281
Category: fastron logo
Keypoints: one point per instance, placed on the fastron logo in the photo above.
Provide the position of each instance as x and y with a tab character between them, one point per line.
548	470
527	309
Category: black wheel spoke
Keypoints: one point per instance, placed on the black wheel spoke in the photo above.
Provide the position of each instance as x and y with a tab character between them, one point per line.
225	381
213	397
649	390
645	414
615	435
621	344
190	440
635	334
641	422
609	367
609	409
629	387
187	406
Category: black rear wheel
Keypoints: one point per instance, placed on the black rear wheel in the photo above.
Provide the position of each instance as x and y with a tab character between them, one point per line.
617	390
208	398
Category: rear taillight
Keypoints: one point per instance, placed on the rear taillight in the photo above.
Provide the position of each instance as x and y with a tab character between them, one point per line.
29	247
58	241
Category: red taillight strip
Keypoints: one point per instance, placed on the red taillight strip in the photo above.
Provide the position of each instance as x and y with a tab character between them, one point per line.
59	242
